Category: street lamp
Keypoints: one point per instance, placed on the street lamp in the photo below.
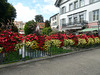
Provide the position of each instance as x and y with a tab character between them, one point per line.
98	27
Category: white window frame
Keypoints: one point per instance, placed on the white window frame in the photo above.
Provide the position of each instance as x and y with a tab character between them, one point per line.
76	5
70	6
96	15
82	3
63	10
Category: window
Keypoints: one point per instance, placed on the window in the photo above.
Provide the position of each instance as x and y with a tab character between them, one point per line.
63	21
54	18
70	6
75	4
63	10
70	20
81	3
75	19
81	18
95	15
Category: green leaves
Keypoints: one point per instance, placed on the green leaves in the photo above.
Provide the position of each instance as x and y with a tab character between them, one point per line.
39	18
30	27
7	12
46	30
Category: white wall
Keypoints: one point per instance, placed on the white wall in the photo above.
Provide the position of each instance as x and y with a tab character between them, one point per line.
88	7
53	21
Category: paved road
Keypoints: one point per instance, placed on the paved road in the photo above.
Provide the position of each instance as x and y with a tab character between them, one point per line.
84	63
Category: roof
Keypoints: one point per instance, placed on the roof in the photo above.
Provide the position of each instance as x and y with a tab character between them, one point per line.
88	29
41	25
54	15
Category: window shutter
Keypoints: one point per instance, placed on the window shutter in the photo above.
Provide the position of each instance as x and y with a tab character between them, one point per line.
90	16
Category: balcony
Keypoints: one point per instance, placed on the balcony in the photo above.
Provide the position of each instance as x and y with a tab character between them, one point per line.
78	24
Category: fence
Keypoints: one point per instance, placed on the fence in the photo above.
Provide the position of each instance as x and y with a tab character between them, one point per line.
28	53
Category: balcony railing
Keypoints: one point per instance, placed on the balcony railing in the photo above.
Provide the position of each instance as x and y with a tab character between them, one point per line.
75	23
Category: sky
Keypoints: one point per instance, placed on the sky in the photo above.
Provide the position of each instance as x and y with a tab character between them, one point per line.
27	9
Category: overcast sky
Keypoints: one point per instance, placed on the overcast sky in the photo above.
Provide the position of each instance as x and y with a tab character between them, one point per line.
27	9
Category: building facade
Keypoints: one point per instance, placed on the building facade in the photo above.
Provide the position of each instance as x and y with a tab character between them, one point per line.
19	24
54	21
74	14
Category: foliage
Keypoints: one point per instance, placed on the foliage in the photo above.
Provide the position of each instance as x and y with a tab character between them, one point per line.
10	26
47	23
58	36
90	41
53	42
68	42
32	45
97	40
18	46
7	12
81	42
54	31
46	30
38	38
14	28
30	27
9	39
12	56
1	49
39	18
54	50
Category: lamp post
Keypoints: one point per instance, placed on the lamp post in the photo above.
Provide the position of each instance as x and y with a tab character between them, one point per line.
98	27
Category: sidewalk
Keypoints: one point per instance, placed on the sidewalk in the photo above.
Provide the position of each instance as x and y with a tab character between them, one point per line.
82	63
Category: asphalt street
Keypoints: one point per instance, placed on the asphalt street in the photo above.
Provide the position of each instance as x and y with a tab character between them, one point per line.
83	63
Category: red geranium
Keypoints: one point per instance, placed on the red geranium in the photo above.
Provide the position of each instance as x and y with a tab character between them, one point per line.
8	39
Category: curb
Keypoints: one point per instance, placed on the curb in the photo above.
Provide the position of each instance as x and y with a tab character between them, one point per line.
45	58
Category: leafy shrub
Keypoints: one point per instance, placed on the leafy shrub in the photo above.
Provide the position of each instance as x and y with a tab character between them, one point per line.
90	41
68	42
38	38
46	30
81	42
9	39
32	45
18	46
97	40
52	42
30	27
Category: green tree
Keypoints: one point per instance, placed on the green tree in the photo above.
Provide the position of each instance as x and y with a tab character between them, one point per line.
39	18
30	27
47	23
14	28
46	30
7	12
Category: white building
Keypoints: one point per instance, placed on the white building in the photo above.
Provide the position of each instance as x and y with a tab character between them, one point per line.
76	13
54	21
19	24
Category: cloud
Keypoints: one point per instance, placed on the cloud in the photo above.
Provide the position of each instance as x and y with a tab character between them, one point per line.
24	13
34	1
50	1
49	9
